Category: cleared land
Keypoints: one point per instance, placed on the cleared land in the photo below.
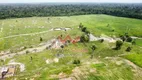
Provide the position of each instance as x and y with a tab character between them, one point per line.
96	24
58	63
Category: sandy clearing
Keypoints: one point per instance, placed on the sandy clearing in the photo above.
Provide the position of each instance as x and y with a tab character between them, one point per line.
40	48
30	50
22	66
26	34
106	38
20	35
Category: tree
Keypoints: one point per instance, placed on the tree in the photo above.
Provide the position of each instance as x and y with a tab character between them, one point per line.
29	10
84	38
118	45
84	29
62	46
101	40
93	47
41	39
126	34
87	32
31	58
77	62
126	37
128	49
123	38
80	26
134	42
129	39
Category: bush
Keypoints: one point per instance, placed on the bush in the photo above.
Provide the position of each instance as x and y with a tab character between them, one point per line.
126	34
62	46
84	29
101	40
84	38
76	62
123	38
133	42
80	26
41	39
112	30
93	47
87	32
118	45
129	39
128	49
27	52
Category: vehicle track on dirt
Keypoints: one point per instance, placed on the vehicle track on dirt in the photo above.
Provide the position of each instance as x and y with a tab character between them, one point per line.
19	35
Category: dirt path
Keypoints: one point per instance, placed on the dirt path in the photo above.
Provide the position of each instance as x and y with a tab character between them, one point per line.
27	34
136	37
106	38
35	33
30	50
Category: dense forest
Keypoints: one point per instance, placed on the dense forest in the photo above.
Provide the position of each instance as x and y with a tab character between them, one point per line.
69	9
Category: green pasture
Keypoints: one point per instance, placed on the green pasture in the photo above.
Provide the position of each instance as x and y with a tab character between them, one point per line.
96	24
135	58
106	69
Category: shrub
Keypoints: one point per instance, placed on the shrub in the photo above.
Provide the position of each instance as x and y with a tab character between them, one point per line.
133	42
112	30
126	34
87	32
129	39
27	52
128	49
41	39
84	38
101	40
118	45
76	62
123	38
80	26
62	46
84	29
93	47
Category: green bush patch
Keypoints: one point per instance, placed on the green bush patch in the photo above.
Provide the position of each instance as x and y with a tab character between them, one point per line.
98	65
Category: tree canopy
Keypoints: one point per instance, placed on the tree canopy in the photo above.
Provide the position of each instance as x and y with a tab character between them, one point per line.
70	9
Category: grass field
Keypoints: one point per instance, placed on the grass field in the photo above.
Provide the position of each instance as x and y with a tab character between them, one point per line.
139	42
105	65
79	51
135	58
96	24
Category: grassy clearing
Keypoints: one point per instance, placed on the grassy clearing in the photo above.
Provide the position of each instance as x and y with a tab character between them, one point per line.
111	71
38	64
96	24
38	69
135	58
139	42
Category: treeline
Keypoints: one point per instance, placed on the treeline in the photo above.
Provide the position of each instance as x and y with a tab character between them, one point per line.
30	10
